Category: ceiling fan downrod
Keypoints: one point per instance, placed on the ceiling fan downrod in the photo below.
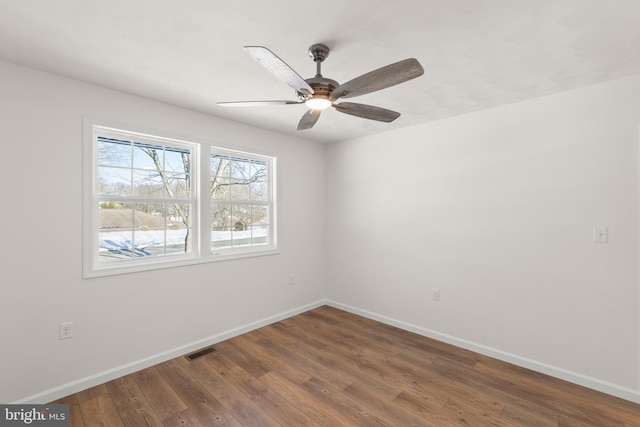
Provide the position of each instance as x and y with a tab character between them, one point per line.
318	52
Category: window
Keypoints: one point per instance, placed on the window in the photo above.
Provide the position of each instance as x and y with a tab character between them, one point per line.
240	201
145	207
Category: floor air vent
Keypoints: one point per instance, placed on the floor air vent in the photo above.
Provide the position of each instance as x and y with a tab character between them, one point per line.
200	353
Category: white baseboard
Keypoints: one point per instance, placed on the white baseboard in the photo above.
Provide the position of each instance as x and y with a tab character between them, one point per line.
117	372
585	381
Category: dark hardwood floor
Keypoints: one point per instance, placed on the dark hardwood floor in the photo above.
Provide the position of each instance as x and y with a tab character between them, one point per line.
327	367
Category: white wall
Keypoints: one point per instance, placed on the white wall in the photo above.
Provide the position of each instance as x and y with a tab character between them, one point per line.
496	210
121	320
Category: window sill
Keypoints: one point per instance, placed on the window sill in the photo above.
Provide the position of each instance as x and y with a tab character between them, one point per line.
149	266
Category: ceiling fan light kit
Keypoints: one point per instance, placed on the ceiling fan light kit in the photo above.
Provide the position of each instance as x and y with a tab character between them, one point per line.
318	103
319	93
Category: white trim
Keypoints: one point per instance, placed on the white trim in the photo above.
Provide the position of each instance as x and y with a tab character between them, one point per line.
200	200
583	380
183	262
270	203
91	265
119	371
638	246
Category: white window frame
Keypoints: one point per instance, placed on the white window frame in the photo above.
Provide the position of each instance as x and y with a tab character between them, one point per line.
269	204
200	201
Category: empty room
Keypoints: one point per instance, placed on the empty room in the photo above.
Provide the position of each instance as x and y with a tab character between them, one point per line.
336	213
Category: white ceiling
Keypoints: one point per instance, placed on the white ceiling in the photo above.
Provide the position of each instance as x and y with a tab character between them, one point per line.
476	54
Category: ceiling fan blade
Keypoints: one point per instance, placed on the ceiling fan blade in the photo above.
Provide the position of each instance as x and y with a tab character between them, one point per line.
381	78
256	103
367	111
279	68
309	119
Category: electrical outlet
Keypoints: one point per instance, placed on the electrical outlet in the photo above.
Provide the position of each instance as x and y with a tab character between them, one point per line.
65	331
435	294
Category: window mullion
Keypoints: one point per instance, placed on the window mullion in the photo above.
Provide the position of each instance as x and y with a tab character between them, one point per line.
204	195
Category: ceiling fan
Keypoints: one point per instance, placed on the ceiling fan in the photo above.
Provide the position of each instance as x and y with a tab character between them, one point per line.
319	93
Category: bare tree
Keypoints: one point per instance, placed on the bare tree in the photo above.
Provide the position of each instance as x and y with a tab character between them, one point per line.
186	162
232	180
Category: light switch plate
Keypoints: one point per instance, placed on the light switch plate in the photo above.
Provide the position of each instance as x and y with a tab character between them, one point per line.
600	234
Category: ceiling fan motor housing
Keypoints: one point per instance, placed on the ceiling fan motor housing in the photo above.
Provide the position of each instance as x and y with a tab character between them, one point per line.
322	87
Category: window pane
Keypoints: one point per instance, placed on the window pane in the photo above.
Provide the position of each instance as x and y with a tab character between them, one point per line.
149	215
259	215
240	169
241	220
147	184
113	152
220	226
260	225
238	180
242	178
177	215
220	189
220	216
114	181
214	165
259	170
259	234
239	189
115	235
178	228
219	166
148	156
177	160
219	177
259	191
149	225
161	229
259	188
178	185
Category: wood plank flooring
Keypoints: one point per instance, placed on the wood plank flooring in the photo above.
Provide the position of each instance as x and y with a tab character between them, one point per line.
327	367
